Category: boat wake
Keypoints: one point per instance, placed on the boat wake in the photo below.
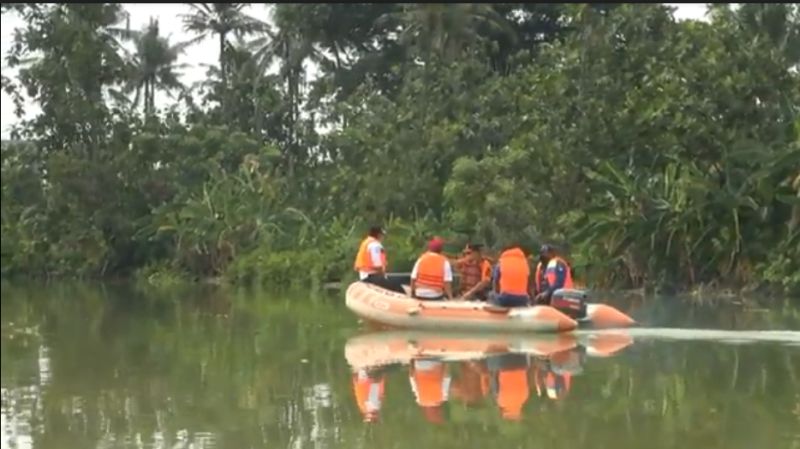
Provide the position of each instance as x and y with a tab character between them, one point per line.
791	338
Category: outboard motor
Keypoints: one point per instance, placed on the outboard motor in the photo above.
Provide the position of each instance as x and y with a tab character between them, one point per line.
571	302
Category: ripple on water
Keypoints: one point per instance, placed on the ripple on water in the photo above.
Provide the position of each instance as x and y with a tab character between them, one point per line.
789	338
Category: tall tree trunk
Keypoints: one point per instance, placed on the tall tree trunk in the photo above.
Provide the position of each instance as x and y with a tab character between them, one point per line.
146	97
152	97
224	76
257	120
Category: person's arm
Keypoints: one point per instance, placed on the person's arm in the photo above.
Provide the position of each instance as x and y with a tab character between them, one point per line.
414	279
376	255
486	279
496	279
448	280
532	286
478	287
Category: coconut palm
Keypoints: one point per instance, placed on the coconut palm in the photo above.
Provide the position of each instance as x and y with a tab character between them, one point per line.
446	29
154	65
290	48
220	19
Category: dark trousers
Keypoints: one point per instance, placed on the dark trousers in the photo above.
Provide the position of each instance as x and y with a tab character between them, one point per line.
506	300
387	283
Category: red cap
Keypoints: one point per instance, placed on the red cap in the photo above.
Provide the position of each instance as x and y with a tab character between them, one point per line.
436	244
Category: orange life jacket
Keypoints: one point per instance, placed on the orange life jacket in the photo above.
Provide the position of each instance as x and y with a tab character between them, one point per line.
512	392
363	260
367	389
430	271
540	274
514	272
486	270
429	385
567	276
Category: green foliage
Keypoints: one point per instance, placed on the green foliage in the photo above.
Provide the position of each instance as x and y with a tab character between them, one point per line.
657	153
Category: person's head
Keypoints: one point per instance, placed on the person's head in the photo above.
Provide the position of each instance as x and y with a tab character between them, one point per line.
436	245
546	252
474	251
377	232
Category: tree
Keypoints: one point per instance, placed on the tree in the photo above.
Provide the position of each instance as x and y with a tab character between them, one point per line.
221	19
446	30
154	65
70	58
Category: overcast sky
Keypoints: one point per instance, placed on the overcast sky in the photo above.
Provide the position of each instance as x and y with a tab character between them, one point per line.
205	52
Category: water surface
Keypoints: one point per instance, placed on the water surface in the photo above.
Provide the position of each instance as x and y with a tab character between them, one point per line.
113	367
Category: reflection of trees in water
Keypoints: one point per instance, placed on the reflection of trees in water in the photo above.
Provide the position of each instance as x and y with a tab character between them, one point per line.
180	375
129	371
19	410
26	373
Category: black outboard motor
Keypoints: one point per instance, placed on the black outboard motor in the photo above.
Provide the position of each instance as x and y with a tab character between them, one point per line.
570	302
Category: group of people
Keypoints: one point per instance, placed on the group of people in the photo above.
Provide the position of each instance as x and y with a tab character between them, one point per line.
507	379
508	282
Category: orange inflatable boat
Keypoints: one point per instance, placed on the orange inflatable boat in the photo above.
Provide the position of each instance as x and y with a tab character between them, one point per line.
401	347
378	305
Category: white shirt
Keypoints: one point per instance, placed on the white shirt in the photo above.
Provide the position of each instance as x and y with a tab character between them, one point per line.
427	292
374	248
373	402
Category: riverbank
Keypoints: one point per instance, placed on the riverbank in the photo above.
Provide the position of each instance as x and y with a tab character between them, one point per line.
712	293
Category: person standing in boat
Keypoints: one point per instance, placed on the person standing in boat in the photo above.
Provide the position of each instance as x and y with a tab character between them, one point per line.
475	271
552	273
371	263
511	278
432	276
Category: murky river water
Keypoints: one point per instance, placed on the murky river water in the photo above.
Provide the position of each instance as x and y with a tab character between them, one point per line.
112	367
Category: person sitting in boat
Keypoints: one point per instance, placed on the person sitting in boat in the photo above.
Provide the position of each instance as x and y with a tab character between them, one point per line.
552	273
472	384
371	263
430	383
509	383
553	375
475	271
432	276
511	278
368	386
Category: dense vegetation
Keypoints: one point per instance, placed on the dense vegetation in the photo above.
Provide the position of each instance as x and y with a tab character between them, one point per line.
657	152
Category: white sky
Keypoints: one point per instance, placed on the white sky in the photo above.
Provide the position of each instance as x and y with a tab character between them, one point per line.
205	52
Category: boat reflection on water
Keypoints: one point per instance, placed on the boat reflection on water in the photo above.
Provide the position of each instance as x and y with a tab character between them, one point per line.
471	368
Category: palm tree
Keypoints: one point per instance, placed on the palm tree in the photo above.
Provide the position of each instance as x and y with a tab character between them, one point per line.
220	19
779	23
291	48
153	66
446	29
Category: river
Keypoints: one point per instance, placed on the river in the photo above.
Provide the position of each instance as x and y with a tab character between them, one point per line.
111	366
